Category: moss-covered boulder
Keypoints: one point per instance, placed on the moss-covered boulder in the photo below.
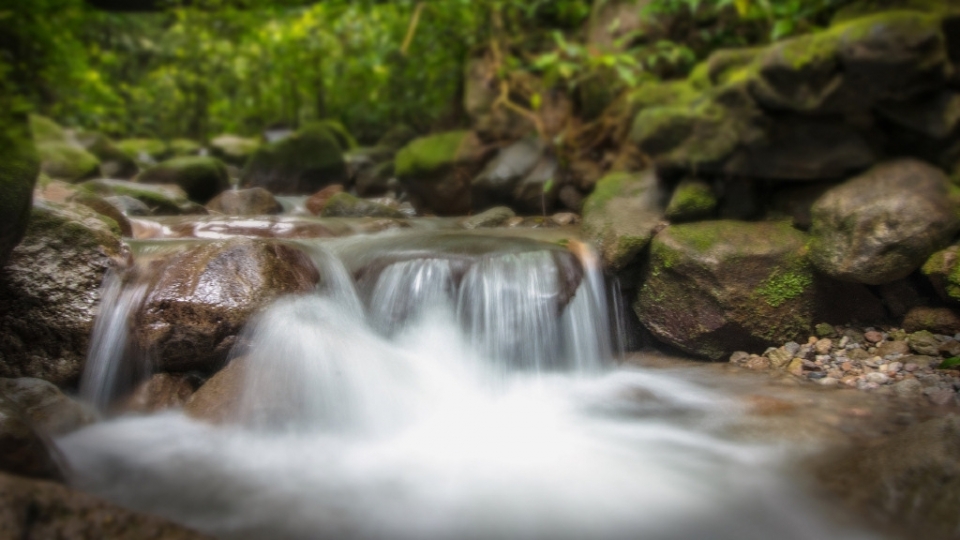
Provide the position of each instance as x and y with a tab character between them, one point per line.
436	171
19	167
884	224
341	133
692	200
202	178
114	162
622	215
300	164
199	299
346	205
161	200
245	202
943	271
61	156
185	147
50	291
146	152
234	149
932	114
854	65
715	287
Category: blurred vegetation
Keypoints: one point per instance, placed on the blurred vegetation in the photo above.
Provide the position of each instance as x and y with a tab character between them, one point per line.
238	66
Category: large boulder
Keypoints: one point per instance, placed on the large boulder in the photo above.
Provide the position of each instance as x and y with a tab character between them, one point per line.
715	287
61	156
436	171
622	215
300	164
160	200
44	406
245	202
202	178
884	224
19	167
43	509
50	291
234	149
200	298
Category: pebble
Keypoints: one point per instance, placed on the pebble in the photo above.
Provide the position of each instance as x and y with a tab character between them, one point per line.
873	336
877	378
823	346
844	341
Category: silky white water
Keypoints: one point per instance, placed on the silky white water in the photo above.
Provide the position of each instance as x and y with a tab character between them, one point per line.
451	406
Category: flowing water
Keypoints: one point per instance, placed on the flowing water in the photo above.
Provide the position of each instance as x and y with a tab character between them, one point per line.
437	398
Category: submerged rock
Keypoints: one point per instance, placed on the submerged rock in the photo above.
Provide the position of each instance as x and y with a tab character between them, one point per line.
245	202
19	167
622	215
50	290
201	178
881	226
346	205
436	171
200	299
715	287
302	163
41	509
318	200
491	218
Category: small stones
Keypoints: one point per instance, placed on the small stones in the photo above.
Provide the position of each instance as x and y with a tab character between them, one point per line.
924	342
873	336
878	378
823	346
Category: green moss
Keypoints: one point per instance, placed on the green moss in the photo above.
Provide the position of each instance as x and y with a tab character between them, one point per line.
783	286
691	200
428	154
46	130
184	147
339	131
201	177
302	163
67	161
608	187
659	94
19	167
153	149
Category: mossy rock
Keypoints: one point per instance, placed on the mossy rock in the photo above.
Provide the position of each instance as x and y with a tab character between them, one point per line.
346	205
884	224
397	137
184	147
300	164
114	162
692	200
341	133
436	171
19	168
51	291
621	216
245	202
866	8
162	200
715	287
943	271
201	177
234	149
146	152
61	156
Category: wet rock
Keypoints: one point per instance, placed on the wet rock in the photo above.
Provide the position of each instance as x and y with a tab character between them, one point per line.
924	343
160	392
881	226
375	180
318	200
44	406
19	167
302	163
436	171
234	149
50	289
622	216
146	152
245	202
938	320
22	450
41	509
218	400
346	205
490	218
201	178
200	298
61	156
518	176
714	287
692	200
162	200
106	208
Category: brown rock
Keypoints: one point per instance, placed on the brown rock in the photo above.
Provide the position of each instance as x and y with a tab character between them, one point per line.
873	336
823	346
893	347
32	509
318	200
245	202
937	320
758	363
218	399
161	391
44	406
23	451
200	299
